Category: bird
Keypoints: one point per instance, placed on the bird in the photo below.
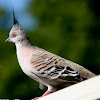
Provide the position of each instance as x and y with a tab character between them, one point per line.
42	66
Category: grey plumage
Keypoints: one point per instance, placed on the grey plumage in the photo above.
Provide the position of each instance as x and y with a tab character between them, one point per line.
47	68
56	68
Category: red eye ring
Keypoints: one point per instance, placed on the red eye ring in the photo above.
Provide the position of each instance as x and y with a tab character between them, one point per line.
14	34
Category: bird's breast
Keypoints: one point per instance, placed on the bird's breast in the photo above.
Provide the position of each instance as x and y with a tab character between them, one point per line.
24	56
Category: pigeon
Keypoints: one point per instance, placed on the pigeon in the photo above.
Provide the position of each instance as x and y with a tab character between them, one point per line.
42	66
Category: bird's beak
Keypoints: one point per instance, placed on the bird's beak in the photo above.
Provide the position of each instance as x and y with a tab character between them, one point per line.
8	40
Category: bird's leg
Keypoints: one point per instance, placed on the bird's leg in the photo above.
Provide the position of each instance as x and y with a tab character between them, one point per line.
46	93
50	90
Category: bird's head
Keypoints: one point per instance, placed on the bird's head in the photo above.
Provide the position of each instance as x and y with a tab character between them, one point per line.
16	34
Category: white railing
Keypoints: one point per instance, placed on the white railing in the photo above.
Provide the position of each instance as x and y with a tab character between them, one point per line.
86	90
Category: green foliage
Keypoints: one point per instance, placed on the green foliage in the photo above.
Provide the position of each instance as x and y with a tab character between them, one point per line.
1	11
67	28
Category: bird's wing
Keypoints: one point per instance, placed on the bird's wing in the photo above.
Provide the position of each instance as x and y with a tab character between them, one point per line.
52	67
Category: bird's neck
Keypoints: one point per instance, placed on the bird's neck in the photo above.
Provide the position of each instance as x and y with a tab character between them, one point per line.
24	43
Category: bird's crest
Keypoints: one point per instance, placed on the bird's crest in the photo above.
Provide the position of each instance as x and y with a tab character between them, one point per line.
14	18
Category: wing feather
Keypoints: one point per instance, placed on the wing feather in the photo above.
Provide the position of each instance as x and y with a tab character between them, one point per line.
53	67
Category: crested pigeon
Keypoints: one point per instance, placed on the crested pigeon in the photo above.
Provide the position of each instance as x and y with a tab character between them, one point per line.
46	68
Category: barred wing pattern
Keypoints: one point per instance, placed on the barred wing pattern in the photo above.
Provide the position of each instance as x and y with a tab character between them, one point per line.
52	67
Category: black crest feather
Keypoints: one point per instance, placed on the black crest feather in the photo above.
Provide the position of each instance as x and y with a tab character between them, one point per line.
14	18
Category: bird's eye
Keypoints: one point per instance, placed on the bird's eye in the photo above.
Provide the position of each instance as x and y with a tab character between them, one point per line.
14	35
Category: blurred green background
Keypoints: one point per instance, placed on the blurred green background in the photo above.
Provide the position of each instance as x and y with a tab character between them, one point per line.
68	28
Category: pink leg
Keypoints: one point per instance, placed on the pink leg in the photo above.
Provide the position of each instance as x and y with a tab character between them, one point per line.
46	93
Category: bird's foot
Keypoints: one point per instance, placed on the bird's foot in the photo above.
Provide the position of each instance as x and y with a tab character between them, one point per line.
36	98
46	93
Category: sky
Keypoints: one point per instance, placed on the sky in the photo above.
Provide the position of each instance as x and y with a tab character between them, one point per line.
21	12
